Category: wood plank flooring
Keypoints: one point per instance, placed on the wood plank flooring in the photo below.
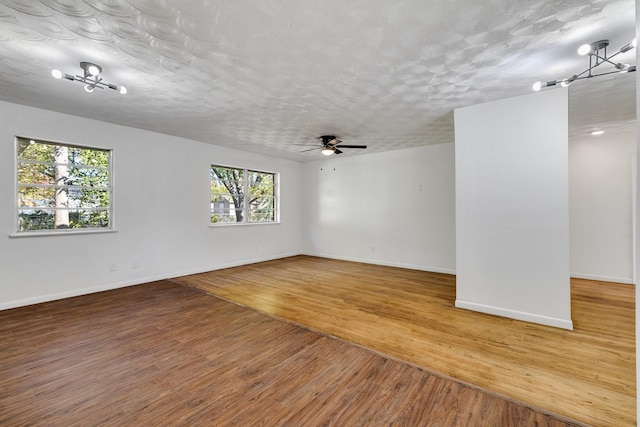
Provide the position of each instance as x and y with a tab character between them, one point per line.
162	354
587	374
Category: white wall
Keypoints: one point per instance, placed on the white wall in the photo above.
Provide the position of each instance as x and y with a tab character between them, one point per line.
161	212
512	209
600	194
394	208
636	261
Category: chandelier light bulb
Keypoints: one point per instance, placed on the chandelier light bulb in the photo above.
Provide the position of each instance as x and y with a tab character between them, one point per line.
539	85
123	90
584	49
567	82
88	88
623	68
56	74
93	70
631	45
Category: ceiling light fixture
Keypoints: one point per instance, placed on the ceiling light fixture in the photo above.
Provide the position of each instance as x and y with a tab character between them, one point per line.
91	78
597	52
597	132
327	151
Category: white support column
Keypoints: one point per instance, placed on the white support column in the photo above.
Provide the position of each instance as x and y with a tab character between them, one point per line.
512	208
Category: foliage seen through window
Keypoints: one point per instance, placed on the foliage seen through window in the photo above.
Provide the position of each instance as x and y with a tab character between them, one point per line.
62	186
242	196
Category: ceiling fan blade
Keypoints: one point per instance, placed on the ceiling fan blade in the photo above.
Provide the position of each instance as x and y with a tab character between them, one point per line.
353	146
335	150
335	142
310	149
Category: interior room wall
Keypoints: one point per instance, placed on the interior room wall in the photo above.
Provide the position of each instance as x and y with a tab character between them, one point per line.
601	170
512	213
636	260
394	208
161	202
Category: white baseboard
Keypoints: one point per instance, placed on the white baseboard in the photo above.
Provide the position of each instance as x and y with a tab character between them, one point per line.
69	294
517	315
384	263
204	269
601	278
136	281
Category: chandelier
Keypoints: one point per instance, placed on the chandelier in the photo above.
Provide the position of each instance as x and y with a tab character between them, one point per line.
91	78
597	53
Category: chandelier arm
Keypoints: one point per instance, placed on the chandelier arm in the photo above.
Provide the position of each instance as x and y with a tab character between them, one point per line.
597	64
605	58
579	76
93	83
614	55
603	74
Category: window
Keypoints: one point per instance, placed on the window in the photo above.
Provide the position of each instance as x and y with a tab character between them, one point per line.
62	187
242	196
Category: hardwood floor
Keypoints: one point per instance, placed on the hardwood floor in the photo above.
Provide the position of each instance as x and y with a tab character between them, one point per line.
166	354
587	374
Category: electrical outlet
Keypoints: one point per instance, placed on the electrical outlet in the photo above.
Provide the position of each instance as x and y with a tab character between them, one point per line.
113	266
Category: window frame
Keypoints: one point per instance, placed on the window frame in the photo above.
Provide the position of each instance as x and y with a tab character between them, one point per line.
61	231
246	209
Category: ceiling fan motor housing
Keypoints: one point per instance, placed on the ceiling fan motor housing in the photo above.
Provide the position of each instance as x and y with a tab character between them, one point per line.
328	139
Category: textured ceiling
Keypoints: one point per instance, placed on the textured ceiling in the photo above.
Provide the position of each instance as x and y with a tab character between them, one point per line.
268	75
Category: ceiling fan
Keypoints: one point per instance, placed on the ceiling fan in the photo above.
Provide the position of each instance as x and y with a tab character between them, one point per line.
329	144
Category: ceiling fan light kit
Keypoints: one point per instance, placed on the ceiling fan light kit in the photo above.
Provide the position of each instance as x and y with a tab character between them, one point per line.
91	78
597	52
328	151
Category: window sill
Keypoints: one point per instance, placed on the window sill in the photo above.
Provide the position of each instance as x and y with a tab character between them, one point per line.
241	224
65	232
